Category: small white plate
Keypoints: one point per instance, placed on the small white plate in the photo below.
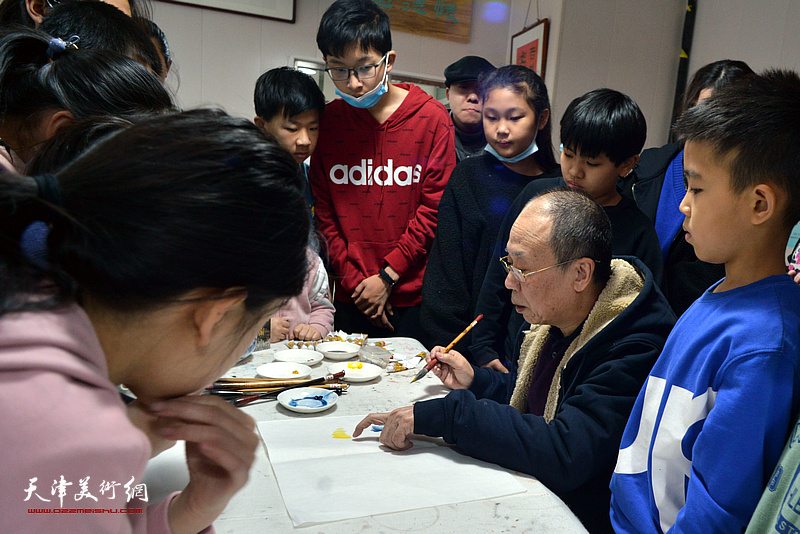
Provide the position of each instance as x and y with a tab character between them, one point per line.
284	370
338	350
306	356
307	400
356	371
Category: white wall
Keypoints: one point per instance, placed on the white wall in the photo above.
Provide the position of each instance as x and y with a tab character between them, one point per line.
632	46
764	34
522	17
219	56
629	45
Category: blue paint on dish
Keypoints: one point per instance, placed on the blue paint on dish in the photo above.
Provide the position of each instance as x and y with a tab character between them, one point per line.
377	428
312	401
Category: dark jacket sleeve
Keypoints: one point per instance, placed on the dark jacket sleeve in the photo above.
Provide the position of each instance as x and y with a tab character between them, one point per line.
577	445
447	286
644	244
494	299
649	252
492	385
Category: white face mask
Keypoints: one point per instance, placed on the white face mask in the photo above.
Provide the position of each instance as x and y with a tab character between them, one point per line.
532	149
370	98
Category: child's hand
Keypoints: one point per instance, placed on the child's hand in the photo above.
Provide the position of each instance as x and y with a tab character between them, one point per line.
278	329
795	274
452	368
306	332
220	448
370	296
382	320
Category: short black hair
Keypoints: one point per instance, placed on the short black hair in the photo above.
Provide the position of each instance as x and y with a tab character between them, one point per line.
755	121
349	23
101	26
287	92
579	229
604	121
526	82
714	76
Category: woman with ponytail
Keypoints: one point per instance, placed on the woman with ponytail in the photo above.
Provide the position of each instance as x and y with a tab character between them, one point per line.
171	243
47	83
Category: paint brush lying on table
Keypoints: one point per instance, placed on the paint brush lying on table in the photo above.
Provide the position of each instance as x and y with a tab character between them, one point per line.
262	389
434	361
237	393
243	384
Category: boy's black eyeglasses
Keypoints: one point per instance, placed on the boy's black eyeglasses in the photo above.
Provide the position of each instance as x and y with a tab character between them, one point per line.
364	72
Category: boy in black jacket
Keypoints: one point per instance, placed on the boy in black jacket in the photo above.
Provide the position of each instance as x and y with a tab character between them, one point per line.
656	185
602	133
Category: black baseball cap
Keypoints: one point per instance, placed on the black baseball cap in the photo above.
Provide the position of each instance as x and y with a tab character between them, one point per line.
466	69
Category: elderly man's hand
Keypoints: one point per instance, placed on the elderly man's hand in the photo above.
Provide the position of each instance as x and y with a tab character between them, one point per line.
453	369
397	426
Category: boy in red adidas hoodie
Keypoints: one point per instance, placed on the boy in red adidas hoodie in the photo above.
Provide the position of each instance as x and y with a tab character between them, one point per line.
384	155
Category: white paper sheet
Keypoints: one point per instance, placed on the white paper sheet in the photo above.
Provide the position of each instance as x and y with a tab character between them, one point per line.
323	478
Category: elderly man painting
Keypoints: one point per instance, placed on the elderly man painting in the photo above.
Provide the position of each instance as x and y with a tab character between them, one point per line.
598	326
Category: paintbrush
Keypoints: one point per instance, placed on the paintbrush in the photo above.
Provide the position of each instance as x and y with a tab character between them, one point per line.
244	383
248	391
434	361
243	401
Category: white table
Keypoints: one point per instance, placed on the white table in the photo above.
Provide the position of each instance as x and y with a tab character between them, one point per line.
258	507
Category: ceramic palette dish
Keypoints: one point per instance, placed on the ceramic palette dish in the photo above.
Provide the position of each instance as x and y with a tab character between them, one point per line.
307	400
356	371
306	356
338	350
284	370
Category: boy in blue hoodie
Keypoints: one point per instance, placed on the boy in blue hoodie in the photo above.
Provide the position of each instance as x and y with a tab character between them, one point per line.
710	423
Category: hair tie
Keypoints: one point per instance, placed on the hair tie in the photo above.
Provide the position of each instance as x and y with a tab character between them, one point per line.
49	189
57	46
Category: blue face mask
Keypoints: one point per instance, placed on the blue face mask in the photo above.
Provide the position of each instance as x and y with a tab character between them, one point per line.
532	149
369	99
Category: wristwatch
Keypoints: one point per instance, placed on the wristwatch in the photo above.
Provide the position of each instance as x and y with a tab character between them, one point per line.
386	278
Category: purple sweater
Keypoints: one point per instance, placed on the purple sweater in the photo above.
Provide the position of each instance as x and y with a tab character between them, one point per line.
63	420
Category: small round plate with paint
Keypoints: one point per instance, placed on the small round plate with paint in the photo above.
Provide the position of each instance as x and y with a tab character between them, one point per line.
338	350
284	370
306	356
307	400
356	371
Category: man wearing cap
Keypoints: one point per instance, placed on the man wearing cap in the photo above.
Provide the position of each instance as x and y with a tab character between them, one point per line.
461	79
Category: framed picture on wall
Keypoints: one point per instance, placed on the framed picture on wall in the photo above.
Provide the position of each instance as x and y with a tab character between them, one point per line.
529	47
281	10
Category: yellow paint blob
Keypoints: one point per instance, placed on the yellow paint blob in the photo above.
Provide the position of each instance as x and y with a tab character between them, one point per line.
355	365
339	433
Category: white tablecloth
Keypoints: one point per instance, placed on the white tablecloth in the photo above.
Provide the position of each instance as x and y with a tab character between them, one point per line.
259	507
